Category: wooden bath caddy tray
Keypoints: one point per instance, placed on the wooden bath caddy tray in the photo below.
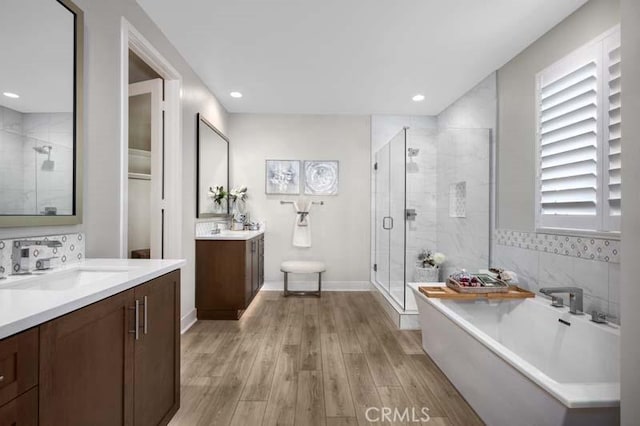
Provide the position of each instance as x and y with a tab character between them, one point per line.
514	292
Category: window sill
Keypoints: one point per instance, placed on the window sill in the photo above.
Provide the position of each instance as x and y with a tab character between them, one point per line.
580	233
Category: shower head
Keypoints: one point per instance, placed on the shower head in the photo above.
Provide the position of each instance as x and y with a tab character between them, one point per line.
413	152
44	149
48	165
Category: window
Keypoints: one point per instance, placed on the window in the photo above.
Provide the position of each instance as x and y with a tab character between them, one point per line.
579	144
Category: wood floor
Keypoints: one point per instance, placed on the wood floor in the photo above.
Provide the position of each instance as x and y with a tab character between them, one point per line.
309	361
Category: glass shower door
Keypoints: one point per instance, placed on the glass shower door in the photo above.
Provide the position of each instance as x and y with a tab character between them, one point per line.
383	218
397	208
389	216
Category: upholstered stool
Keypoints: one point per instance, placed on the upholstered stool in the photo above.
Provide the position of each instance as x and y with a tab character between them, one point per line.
302	267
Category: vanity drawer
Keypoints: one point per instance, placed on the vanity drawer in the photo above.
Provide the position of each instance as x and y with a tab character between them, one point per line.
18	364
22	411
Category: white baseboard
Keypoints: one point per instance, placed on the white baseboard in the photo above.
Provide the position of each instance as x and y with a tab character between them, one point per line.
313	285
187	321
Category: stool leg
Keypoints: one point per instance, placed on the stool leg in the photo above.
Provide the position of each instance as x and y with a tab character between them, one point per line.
319	283
286	284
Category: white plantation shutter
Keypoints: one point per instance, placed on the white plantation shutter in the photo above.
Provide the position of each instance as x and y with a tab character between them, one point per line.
612	131
576	169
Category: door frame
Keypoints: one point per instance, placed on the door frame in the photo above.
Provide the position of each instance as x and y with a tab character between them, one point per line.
132	39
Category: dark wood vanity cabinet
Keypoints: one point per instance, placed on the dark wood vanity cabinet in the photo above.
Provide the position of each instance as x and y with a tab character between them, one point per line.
93	368
19	379
229	273
157	352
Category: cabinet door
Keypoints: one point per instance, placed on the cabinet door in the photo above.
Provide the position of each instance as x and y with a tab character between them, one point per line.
261	261
248	273
86	369
255	267
157	351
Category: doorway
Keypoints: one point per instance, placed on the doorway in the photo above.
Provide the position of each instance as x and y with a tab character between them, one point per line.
151	216
146	168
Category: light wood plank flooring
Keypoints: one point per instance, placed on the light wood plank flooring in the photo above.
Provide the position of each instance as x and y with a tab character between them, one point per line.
309	361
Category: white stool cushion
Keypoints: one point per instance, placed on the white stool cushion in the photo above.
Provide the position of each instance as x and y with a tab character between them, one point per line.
302	266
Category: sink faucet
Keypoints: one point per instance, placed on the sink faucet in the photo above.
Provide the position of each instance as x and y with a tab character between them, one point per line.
575	297
21	254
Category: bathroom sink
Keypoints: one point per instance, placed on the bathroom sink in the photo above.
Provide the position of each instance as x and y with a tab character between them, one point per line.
63	280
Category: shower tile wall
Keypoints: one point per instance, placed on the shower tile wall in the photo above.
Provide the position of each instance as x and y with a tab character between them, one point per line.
463	156
21	166
422	175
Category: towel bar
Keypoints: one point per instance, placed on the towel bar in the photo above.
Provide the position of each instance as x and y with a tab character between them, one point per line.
291	202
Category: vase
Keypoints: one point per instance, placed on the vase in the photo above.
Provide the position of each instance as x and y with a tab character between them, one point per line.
429	274
238	207
221	207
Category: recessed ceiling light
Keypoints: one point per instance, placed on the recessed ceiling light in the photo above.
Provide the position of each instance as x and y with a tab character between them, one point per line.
10	95
418	98
235	94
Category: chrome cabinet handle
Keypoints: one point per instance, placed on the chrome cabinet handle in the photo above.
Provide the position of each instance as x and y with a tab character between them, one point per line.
146	308
1	379
136	330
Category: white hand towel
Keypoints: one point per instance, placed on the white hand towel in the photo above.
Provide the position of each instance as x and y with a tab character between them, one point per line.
302	226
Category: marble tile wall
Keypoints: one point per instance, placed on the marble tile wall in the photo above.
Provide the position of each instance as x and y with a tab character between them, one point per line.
421	190
463	156
26	186
72	250
545	260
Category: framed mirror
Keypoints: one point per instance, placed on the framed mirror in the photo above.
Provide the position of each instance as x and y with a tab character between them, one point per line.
212	181
41	113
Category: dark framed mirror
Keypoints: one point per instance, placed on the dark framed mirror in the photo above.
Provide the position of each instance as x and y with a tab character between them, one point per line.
41	113
212	166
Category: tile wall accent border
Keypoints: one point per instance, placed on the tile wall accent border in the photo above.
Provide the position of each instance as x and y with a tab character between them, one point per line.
598	249
72	250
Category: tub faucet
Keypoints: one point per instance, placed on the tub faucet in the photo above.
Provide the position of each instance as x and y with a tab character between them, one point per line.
575	297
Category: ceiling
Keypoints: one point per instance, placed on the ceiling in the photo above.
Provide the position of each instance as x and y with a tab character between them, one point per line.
350	56
36	54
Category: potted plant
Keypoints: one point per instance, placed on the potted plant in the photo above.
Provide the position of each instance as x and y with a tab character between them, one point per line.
428	266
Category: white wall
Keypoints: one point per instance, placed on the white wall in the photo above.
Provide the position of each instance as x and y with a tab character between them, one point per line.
630	290
340	228
102	133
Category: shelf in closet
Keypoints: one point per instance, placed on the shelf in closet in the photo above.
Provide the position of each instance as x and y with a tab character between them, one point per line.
139	176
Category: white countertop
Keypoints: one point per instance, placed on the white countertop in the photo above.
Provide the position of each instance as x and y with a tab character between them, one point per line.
29	300
230	235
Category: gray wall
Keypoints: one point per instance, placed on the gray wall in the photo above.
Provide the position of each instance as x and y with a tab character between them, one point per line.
630	290
340	228
516	116
102	133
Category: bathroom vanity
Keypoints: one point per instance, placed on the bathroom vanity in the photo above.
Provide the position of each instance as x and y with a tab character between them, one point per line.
94	343
229	273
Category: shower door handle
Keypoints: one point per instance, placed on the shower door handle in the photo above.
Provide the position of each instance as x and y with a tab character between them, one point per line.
390	223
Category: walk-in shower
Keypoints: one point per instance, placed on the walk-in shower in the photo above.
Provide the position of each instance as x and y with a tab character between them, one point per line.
432	193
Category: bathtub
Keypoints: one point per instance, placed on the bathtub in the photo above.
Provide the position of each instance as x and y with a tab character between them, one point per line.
520	363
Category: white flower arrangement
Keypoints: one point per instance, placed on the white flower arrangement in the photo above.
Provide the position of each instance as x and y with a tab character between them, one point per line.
238	193
428	259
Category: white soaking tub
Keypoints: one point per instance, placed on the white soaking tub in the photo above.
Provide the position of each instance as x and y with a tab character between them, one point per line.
519	363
